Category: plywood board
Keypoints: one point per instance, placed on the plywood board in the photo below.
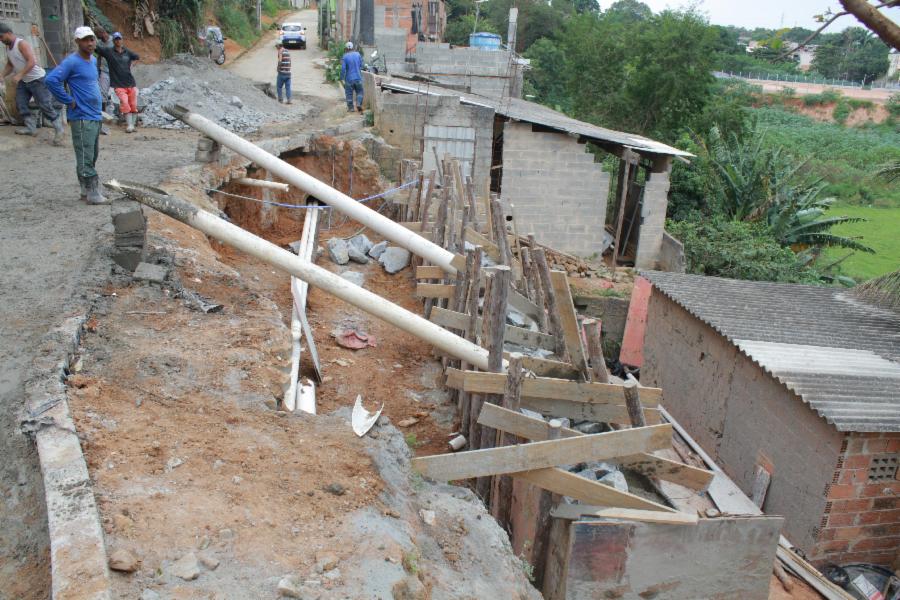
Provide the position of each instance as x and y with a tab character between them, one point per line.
560	481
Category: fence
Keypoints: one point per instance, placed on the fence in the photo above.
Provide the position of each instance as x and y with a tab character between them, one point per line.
806	79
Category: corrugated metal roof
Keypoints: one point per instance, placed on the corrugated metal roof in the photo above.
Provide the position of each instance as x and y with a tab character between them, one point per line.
530	112
841	356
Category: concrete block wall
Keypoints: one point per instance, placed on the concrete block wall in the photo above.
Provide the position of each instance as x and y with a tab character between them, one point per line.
671	255
862	516
559	192
653	220
400	120
392	39
488	73
739	414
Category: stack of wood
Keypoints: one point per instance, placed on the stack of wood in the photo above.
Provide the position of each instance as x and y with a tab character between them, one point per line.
513	459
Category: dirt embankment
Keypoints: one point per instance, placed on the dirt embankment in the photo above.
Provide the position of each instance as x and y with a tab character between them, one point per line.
861	114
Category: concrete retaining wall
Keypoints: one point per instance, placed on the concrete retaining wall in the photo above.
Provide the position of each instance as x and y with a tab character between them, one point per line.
558	191
671	255
739	413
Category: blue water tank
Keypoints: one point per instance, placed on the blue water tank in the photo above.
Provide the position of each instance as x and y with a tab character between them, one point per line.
485	41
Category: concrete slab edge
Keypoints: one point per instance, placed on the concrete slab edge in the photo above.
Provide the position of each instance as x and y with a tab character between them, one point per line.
78	561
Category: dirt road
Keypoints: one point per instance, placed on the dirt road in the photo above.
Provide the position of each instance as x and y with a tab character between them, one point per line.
307	66
50	262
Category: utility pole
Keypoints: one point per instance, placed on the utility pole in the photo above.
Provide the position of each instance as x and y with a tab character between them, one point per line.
259	14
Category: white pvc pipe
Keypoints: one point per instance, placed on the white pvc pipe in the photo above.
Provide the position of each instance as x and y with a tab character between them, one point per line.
361	298
262	183
357	211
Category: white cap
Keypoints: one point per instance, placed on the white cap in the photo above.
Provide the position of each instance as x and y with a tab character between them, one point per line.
349	45
83	32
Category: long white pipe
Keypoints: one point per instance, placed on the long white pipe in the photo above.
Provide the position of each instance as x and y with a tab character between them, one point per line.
357	211
361	298
262	183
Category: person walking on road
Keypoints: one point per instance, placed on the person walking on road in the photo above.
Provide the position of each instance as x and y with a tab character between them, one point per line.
283	68
104	40
30	79
351	75
79	72
119	59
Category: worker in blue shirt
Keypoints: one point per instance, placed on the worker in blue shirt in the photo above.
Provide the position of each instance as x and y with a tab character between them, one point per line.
83	103
351	75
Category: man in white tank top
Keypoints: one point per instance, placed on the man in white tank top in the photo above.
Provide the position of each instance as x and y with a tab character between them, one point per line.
29	78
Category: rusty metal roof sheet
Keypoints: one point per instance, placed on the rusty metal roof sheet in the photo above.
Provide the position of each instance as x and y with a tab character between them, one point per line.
839	355
531	112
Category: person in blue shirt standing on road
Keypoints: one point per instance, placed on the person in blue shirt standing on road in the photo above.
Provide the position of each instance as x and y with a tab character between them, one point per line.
351	75
79	72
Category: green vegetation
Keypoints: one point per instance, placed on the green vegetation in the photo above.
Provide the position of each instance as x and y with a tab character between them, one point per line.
179	21
236	21
881	231
759	200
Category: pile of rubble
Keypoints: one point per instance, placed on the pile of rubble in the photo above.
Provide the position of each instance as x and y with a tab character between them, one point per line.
227	99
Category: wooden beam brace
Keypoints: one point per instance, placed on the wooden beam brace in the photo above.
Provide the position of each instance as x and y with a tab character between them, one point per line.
515	335
577	512
652	466
560	481
435	290
539	455
569	320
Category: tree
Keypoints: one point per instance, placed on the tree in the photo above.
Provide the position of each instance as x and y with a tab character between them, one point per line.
854	54
628	12
543	79
868	14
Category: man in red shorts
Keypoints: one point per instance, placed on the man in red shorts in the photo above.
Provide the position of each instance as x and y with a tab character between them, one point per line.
121	80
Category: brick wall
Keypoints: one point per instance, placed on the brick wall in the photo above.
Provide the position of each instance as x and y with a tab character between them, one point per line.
862	517
559	192
738	413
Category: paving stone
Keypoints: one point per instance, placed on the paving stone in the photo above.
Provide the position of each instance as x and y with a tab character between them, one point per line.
127	216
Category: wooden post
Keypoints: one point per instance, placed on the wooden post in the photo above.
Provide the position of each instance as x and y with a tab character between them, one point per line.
536	287
472	272
477	399
499	220
438	237
595	350
495	321
633	403
501	495
527	269
542	541
555	321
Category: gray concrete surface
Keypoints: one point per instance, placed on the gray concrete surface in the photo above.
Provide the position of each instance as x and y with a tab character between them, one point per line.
50	265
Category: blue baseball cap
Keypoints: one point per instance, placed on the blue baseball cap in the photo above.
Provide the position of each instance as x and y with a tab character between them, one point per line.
117	36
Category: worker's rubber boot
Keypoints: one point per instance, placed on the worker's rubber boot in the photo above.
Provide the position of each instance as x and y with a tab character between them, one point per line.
59	130
30	127
82	182
94	195
130	119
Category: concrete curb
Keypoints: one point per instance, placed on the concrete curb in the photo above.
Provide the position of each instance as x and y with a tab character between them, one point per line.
78	562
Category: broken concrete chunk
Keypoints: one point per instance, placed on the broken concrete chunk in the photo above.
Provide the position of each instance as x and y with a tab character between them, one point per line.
129	258
515	318
127	216
615	479
186	567
338	250
123	561
209	561
236	102
290	586
151	273
357	255
378	249
394	259
354	277
427	516
361	242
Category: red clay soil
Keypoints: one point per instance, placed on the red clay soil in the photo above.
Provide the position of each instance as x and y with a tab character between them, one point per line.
122	16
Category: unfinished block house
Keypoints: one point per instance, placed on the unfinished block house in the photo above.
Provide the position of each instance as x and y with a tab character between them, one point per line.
538	161
798	384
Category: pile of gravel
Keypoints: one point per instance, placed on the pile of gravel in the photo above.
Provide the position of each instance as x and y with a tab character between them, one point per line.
228	99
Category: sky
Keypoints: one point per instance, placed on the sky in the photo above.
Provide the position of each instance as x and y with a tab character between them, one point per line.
771	14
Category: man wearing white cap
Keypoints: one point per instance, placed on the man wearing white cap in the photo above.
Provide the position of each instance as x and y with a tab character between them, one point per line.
29	78
79	72
351	75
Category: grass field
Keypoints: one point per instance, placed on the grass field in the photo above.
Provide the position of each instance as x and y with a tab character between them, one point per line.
881	232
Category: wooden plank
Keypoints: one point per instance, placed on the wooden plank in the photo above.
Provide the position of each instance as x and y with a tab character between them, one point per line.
585	490
588	411
558	389
652	466
479	239
591	329
435	290
430	272
633	402
569	320
514	335
544	367
578	512
553	311
539	455
524	305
